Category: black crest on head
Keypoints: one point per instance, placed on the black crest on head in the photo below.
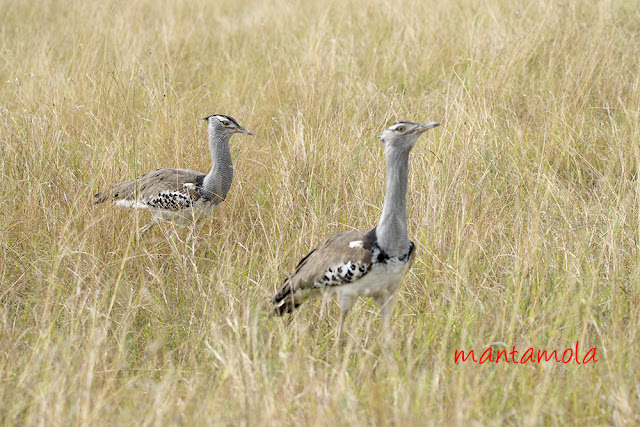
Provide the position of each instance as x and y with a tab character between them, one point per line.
231	119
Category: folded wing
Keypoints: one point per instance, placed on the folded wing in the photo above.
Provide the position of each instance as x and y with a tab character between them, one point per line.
172	189
340	260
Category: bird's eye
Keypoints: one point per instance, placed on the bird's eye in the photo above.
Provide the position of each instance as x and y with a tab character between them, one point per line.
400	128
225	122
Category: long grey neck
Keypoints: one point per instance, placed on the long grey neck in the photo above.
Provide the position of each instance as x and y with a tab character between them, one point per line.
392	229
218	180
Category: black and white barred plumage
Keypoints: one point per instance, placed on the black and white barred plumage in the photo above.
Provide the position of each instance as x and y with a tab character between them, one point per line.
341	260
363	263
183	196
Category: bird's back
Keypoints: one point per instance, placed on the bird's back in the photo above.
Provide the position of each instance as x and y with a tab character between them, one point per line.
154	187
342	264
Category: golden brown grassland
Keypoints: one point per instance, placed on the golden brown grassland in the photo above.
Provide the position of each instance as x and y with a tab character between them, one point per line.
523	206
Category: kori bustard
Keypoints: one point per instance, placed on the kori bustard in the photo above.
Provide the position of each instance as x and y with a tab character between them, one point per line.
183	196
363	263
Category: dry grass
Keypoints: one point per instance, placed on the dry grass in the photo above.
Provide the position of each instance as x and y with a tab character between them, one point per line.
526	218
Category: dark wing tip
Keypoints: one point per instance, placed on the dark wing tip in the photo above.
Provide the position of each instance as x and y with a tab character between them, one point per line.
280	310
283	307
284	300
99	197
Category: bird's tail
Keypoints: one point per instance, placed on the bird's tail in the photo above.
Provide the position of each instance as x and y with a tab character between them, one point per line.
101	197
286	299
123	190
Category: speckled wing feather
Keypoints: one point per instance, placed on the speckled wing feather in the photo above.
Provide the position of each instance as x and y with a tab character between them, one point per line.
172	189
341	259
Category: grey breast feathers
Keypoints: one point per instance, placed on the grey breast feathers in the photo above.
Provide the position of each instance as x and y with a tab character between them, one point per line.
340	260
163	188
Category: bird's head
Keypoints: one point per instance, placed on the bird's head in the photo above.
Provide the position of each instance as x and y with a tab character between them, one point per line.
226	124
405	134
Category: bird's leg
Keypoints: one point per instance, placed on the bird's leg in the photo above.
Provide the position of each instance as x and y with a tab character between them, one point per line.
194	225
387	308
193	232
345	302
143	229
385	302
341	336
